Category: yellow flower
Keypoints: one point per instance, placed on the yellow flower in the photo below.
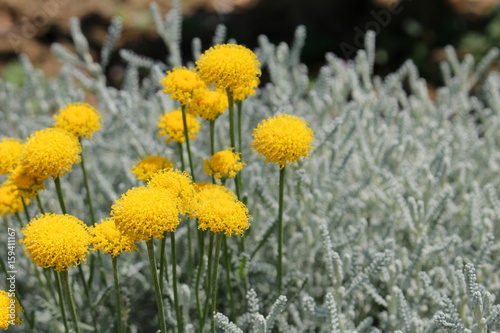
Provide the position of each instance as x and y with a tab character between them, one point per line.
180	83
148	166
10	154
54	240
50	152
217	209
208	104
241	93
10	199
228	66
80	119
107	237
9	310
283	139
27	184
171	125
145	212
180	185
223	164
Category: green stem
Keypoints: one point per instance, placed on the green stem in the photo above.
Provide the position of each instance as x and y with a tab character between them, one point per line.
239	104
26	212
214	280
156	285
201	244
186	136
178	312
163	260
238	179
280	230
86	288
190	250
119	319
209	277
230	101
39	204
87	189
57	181
61	302
227	263
181	153
65	282
212	137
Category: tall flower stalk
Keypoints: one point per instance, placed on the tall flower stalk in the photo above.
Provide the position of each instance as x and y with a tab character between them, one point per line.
282	140
71	300
107	238
147	212
218	209
156	286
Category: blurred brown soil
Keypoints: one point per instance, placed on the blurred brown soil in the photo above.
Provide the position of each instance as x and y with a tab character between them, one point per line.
30	27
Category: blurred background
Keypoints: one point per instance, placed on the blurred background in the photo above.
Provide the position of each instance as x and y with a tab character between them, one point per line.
406	29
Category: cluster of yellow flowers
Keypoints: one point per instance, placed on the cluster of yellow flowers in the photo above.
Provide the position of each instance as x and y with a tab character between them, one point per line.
223	74
49	152
222	69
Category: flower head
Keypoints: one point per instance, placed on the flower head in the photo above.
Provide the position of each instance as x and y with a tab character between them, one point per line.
59	241
180	83
10	199
228	66
218	209
283	139
50	152
178	183
242	92
80	119
223	164
145	212
28	185
10	154
172	126
9	310
107	237
208	104
148	166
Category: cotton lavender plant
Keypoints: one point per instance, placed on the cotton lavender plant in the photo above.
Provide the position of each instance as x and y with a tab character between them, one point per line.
390	225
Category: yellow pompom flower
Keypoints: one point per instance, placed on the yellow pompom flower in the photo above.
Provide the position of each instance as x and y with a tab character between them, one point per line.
148	166
80	119
146	212
180	83
218	209
171	125
223	164
283	139
242	92
228	66
54	240
27	184
107	237
179	183
208	104
50	152
10	199
10	154
10	310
